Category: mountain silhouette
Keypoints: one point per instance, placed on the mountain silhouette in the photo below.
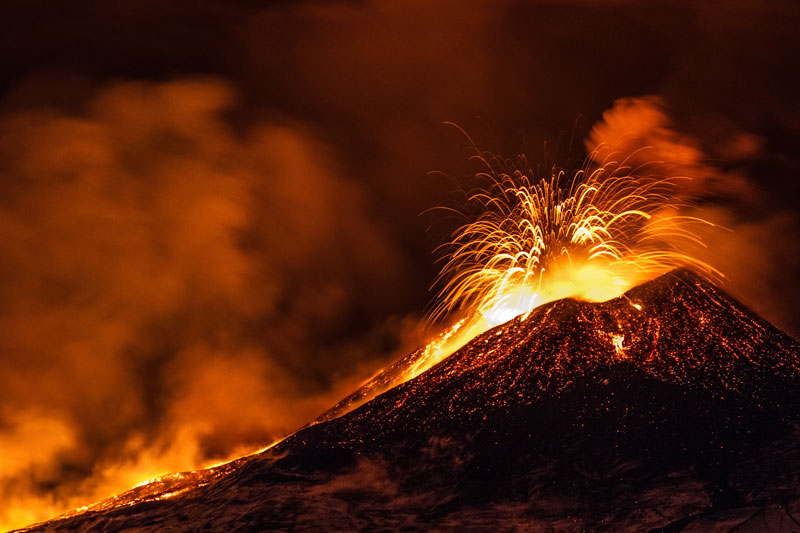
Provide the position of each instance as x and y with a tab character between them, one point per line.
670	408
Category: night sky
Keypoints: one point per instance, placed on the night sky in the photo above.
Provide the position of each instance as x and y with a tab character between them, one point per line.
213	214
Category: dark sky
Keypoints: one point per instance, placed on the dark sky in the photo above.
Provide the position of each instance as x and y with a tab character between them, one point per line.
214	207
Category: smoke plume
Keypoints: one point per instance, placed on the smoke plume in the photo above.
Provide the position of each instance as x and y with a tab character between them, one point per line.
751	241
172	289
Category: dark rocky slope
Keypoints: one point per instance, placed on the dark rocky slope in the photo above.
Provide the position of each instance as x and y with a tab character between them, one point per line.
671	408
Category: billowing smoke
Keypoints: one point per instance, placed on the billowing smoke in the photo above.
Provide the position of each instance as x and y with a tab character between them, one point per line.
173	291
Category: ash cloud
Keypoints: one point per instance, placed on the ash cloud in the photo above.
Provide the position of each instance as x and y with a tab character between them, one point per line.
173	290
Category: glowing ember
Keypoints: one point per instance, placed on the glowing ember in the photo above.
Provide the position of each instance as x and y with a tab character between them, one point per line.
618	341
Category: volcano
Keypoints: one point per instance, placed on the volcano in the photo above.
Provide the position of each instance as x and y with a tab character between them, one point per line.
670	408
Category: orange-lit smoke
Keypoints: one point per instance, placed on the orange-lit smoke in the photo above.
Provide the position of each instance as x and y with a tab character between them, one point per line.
161	296
750	238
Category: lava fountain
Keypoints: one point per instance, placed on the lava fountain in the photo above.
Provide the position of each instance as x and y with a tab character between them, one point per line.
591	234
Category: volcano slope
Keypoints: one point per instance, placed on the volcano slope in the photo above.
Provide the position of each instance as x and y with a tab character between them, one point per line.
670	408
